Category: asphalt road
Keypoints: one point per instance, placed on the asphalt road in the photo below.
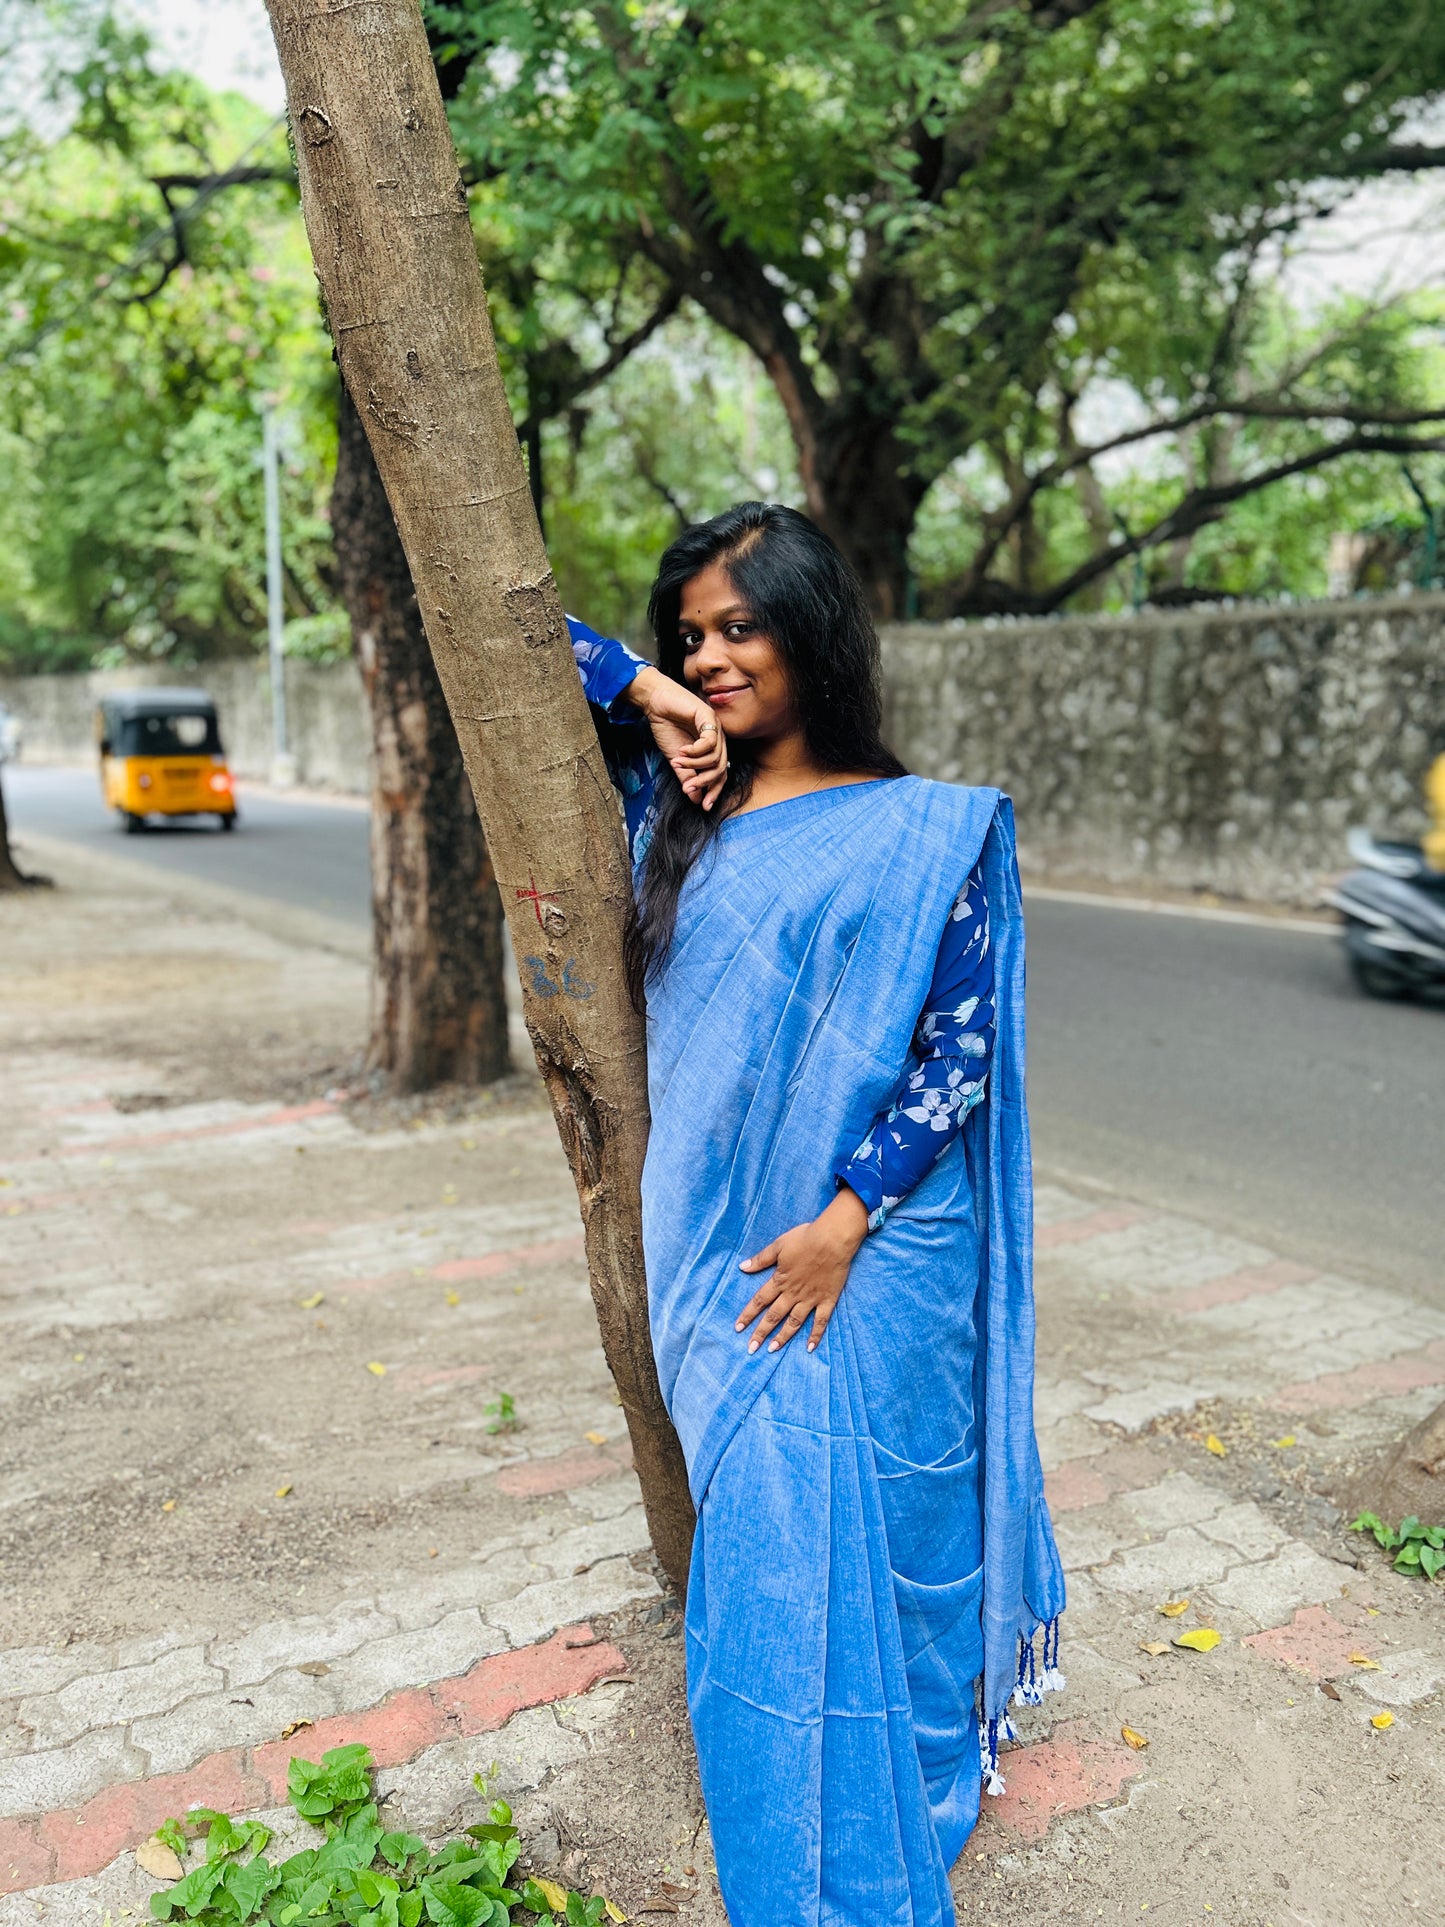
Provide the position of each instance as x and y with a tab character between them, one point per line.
1224	1069
309	856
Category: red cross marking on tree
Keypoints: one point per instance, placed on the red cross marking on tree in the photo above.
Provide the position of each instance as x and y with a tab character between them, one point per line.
535	897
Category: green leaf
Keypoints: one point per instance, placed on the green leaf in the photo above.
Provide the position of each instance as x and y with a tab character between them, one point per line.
248	1886
1432	1560
173	1834
408	1908
450	1904
1408	1558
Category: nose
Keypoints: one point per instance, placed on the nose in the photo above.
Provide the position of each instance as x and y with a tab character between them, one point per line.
711	657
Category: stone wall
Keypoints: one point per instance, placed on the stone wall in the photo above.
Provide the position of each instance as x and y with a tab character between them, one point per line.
1226	749
326	716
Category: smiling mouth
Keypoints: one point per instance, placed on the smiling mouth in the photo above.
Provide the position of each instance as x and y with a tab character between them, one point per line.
716	696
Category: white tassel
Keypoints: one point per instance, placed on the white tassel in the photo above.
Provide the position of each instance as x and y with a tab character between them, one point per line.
993	1781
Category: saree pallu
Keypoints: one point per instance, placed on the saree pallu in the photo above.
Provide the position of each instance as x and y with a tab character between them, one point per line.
873	1554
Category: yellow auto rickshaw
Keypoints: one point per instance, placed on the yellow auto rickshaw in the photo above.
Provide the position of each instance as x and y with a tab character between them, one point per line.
161	755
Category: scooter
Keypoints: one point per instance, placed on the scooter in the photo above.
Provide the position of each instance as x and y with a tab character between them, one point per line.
1393	907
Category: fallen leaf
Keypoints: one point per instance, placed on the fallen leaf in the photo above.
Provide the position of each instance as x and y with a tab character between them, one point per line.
310	1304
1381	1720
432	1551
555	1896
283	1492
1216	1446
1130	1738
1283	1445
314	1669
377	1371
1203	1639
1154	1647
595	1438
1330	1690
77	1358
295	1727
168	1505
469	1144
1364	1662
158	1860
1172	1608
454	1297
613	1911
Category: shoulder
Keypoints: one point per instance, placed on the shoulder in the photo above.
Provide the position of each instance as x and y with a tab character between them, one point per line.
951	808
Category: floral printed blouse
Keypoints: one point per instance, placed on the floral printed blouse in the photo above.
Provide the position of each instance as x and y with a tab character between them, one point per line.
952	1042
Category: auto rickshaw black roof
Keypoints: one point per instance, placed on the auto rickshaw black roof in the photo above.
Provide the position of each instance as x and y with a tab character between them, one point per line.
159	702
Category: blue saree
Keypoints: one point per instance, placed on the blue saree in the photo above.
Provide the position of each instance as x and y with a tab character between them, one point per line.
873	1555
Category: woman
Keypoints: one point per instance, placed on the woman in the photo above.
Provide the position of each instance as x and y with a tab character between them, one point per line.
832	957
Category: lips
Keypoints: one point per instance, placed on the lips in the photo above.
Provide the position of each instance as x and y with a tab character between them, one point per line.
720	697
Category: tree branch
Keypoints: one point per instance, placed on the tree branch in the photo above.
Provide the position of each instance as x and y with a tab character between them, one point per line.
1204	505
1399	156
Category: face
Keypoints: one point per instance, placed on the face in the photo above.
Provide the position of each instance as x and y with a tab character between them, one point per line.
730	662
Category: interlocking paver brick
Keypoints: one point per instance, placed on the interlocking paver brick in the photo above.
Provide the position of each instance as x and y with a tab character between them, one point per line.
64	1776
175	1740
1181	1559
1405	1678
256	1655
27	1670
1267	1591
452	1645
539	1610
1177	1500
113	1699
1246	1528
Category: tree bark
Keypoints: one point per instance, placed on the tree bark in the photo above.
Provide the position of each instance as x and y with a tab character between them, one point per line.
11	876
438	1002
386	215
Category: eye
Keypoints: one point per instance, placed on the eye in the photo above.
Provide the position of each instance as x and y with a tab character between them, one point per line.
735	631
690	640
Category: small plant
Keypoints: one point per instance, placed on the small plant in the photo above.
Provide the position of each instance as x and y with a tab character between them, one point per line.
503	1413
362	1875
1419	1550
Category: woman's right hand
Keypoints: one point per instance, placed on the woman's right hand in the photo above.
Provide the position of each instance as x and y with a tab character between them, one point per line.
686	731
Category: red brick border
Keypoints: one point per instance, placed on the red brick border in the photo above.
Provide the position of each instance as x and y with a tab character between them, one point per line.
43	1848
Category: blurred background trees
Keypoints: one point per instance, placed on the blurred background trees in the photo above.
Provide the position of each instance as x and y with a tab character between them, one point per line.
995	291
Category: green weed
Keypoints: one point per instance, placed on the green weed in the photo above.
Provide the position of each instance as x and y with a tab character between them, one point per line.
361	1875
1419	1550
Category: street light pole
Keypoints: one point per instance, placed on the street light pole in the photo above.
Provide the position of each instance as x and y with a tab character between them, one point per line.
283	764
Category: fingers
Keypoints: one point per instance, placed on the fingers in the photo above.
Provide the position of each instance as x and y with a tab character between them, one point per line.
762	1259
820	1324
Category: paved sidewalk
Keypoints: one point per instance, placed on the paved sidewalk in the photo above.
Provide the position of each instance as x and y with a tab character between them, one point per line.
249	1479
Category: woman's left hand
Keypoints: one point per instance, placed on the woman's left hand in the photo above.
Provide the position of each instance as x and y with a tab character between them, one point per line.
810	1267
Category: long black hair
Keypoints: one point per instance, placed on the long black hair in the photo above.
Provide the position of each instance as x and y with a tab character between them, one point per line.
806	600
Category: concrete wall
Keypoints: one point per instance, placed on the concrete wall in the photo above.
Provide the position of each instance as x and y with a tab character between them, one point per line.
1228	749
1225	749
326	716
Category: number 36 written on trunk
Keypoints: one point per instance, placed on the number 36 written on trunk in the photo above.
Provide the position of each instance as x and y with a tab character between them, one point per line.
570	986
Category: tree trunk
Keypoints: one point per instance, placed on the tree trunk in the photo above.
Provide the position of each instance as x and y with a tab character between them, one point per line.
438	1004
11	876
1410	1478
386	215
868	503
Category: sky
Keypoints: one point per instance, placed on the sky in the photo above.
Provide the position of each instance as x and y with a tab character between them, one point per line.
226	43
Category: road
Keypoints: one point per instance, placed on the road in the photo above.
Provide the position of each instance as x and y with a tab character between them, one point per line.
1221	1068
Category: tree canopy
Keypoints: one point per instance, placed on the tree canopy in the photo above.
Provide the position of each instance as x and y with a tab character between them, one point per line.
939	230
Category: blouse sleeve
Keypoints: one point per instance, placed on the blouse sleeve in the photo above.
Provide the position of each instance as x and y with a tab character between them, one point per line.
606	667
948	1070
